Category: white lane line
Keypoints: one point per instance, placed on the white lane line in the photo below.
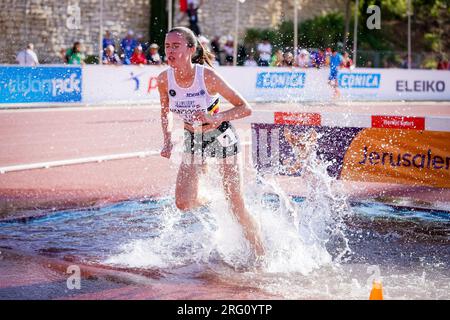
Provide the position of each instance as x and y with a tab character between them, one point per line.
56	106
59	108
65	162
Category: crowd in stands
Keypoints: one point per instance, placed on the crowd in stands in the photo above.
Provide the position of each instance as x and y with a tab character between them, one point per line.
131	50
137	51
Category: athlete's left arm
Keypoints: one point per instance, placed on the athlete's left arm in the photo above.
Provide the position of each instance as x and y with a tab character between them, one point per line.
216	84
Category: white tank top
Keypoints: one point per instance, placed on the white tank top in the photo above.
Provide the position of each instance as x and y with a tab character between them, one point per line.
185	101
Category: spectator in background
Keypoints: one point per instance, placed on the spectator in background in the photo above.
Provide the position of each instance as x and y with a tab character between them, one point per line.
250	61
442	63
141	41
75	55
327	57
215	48
108	40
277	59
317	59
128	44
335	63
153	56
303	59
312	58
62	55
192	12
346	63
404	63
369	64
288	60
229	51
207	46
138	56
183	6
110	57
241	54
27	57
265	52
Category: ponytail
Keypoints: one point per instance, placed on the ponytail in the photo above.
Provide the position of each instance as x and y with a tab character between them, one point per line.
202	55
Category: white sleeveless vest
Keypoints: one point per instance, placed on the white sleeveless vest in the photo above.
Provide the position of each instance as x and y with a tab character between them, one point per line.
185	101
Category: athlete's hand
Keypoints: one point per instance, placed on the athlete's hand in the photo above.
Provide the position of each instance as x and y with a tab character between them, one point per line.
209	122
167	150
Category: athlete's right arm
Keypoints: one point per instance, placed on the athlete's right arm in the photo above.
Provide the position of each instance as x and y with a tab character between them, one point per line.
166	115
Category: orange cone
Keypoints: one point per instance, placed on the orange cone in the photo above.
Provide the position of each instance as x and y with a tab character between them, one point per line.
377	291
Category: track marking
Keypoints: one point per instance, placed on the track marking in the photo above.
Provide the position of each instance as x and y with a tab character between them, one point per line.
66	162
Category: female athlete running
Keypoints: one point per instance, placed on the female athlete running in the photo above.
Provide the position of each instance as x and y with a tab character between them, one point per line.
191	90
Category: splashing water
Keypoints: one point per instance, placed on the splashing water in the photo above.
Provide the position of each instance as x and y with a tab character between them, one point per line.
296	238
206	246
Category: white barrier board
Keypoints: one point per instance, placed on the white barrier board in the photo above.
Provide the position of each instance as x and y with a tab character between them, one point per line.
110	84
138	84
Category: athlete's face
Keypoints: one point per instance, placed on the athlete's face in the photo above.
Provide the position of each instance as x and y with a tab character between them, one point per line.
177	51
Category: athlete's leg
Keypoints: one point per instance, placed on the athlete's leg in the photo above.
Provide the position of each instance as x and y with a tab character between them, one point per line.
337	93
232	184
186	189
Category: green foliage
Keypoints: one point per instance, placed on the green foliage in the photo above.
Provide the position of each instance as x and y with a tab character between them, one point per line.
390	9
322	31
319	32
91	59
434	17
430	23
376	39
429	63
432	41
254	36
430	26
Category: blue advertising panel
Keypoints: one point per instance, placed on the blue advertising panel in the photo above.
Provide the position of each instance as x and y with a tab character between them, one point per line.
40	84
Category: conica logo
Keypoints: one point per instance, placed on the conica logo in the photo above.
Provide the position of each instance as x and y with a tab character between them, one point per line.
359	80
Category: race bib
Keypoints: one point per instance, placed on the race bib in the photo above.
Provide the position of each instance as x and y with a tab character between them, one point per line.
227	138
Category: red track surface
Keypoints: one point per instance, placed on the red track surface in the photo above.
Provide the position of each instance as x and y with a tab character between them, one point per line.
40	135
37	277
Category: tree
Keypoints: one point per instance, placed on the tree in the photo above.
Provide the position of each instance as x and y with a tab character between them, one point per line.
434	17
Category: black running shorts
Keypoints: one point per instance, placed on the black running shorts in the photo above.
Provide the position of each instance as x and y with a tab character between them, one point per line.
218	143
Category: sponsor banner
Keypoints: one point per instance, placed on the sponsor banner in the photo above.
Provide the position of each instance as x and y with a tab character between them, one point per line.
359	80
121	84
40	84
411	86
291	85
398	122
297	118
287	84
280	80
394	84
431	123
399	156
413	157
281	148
